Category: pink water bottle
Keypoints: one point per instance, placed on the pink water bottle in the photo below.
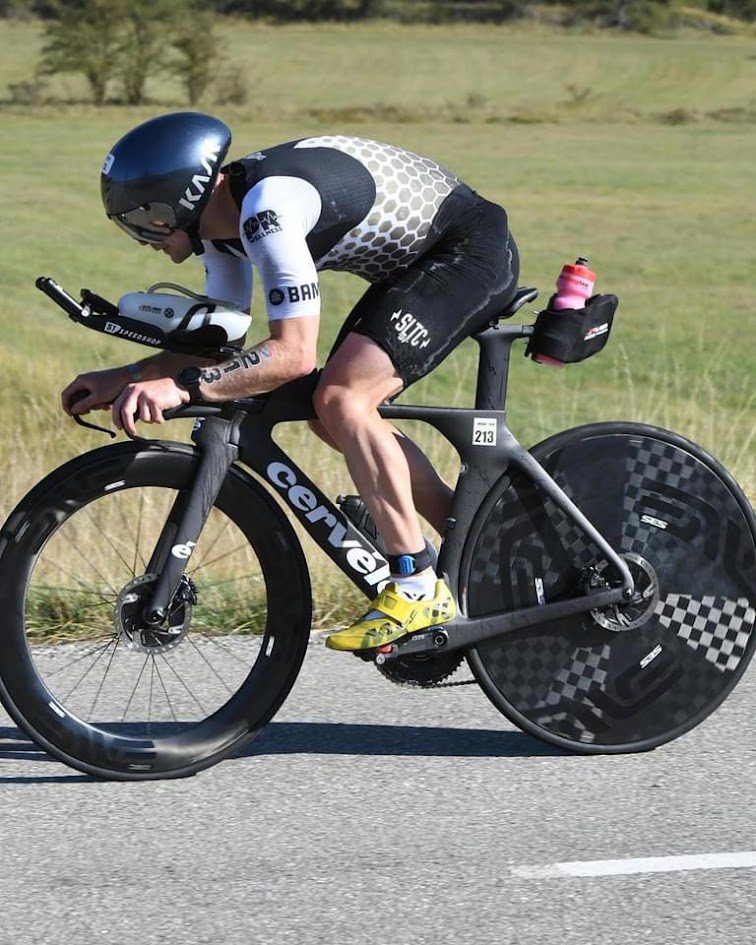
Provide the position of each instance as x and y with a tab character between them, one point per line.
574	287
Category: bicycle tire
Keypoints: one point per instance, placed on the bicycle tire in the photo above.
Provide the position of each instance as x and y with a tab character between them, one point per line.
68	502
646	675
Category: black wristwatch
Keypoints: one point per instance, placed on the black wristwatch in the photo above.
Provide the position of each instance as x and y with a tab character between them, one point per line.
189	378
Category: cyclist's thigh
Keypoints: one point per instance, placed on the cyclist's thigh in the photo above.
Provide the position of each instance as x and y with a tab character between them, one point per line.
362	367
424	311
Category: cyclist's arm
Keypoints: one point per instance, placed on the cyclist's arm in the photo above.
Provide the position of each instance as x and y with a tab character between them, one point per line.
288	353
276	216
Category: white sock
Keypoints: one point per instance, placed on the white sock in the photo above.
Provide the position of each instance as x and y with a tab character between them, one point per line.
416	586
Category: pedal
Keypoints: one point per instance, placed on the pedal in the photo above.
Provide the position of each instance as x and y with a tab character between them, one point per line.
382	653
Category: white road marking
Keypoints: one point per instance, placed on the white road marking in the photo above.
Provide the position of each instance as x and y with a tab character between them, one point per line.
650	864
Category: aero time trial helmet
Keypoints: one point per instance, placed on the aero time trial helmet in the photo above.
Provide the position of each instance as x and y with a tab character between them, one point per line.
160	175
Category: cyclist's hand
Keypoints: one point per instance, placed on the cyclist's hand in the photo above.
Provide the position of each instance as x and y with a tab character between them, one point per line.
146	400
101	387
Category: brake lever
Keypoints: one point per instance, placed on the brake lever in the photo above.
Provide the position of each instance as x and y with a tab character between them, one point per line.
80	395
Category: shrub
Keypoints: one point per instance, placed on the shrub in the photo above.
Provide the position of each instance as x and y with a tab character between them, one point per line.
741	9
641	16
30	92
231	87
284	10
16	9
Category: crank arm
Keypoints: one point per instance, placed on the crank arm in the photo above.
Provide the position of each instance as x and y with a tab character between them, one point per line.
464	632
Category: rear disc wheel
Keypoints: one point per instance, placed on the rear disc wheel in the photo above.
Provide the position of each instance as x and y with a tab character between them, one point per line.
631	677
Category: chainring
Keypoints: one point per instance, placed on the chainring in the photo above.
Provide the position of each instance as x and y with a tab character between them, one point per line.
422	670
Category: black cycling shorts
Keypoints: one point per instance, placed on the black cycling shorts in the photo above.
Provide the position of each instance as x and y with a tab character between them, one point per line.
466	277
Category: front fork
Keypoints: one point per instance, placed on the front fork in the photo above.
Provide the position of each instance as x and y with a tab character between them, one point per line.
216	438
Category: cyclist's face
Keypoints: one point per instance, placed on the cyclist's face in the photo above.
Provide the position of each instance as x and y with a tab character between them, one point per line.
177	245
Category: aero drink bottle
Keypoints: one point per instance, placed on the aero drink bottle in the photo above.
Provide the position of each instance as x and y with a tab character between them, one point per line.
574	288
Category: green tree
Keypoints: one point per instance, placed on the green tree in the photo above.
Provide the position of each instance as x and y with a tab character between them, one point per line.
127	40
84	36
145	26
197	51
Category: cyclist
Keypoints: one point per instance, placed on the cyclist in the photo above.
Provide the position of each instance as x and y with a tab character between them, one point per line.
440	259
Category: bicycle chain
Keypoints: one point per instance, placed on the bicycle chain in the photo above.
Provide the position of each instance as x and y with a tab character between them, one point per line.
437	685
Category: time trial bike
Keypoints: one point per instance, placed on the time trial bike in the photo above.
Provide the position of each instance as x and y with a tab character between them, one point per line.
157	603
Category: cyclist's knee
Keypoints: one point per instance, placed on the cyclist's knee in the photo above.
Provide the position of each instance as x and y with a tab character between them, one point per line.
338	407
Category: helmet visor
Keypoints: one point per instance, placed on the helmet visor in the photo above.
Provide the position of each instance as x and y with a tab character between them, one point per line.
150	223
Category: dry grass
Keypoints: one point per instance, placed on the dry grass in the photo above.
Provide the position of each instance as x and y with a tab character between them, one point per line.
636	152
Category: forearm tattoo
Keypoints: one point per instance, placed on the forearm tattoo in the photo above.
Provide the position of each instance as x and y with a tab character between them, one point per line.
242	362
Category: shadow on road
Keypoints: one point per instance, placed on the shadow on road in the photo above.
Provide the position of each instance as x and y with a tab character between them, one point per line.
17	747
330	738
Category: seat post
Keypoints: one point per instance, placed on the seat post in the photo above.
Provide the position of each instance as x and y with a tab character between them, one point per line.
493	363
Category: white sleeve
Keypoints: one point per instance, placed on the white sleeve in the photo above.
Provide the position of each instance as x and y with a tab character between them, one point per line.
276	216
227	278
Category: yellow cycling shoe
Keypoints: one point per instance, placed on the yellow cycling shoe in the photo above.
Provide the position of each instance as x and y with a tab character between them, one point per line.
399	616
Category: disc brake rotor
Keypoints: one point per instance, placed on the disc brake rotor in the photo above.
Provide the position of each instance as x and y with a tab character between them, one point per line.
128	620
636	611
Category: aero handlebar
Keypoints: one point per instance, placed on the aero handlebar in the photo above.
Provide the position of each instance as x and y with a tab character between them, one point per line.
52	290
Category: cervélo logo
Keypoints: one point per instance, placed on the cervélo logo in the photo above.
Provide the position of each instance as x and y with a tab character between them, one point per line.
372	565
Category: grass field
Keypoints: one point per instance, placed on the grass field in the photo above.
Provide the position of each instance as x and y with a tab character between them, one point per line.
635	152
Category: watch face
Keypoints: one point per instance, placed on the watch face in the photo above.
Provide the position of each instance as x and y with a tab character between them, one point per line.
190	375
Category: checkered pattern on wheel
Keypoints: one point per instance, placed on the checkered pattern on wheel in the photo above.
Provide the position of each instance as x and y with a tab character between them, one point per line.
503	558
649	461
522	667
580	550
649	464
568	725
587	669
486	564
719	627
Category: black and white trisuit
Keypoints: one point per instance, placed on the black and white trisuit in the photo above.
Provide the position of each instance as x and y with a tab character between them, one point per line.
440	258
